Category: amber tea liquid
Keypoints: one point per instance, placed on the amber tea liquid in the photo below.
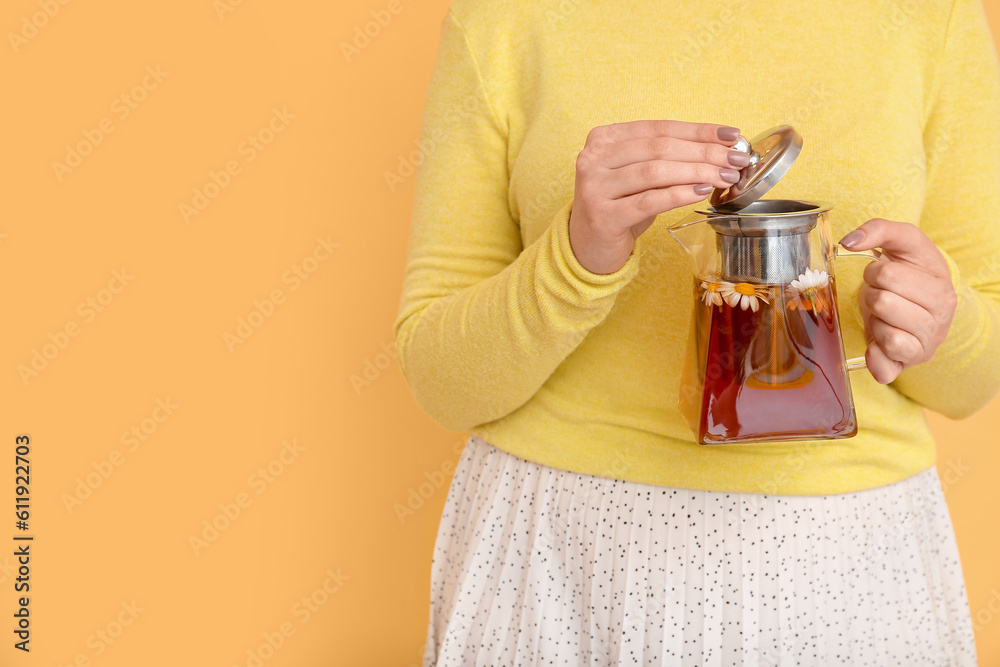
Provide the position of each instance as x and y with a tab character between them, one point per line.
774	374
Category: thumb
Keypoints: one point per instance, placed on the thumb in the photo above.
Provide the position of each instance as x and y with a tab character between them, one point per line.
900	241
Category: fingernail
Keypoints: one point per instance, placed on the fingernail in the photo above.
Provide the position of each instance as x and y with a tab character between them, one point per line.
703	189
730	175
853	239
726	133
738	159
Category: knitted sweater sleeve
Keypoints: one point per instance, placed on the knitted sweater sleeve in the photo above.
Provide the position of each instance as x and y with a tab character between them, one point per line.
483	321
962	216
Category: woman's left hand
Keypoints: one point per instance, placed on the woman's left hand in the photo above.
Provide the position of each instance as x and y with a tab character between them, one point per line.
907	302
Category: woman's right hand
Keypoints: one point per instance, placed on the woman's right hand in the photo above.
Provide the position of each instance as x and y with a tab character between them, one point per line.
628	173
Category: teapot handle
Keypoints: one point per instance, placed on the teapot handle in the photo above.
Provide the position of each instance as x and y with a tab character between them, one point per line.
857	363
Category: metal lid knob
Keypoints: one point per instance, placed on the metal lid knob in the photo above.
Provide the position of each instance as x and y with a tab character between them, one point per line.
771	156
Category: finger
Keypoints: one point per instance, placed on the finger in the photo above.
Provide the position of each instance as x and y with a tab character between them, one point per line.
645	149
634	209
910	282
703	132
635	178
882	368
898	312
880	365
900	241
897	344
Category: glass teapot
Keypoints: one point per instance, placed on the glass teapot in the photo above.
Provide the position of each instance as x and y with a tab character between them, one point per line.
765	358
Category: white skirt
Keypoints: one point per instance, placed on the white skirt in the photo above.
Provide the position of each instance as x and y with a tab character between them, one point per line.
535	565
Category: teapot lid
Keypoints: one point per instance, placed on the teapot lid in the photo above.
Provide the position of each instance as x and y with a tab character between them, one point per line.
771	155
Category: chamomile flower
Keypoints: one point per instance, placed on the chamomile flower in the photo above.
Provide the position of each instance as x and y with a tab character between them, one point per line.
710	292
807	292
746	295
811	279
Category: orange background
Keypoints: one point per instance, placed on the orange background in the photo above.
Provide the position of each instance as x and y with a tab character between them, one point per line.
154	413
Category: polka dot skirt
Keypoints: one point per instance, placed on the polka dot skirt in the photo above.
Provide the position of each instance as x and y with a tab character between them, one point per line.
534	565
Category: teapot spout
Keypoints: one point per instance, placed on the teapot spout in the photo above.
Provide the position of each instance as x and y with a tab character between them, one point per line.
697	237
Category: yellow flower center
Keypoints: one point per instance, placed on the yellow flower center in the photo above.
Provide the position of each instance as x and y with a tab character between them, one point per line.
746	289
712	287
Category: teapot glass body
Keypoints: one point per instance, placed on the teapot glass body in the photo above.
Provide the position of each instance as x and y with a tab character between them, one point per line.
765	358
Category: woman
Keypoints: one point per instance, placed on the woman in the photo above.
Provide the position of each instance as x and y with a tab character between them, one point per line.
545	309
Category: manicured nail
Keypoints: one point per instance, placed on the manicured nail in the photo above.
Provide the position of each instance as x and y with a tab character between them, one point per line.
703	189
730	175
853	239
738	159
729	134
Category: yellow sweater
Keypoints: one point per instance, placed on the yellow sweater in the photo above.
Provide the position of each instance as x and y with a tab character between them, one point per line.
502	333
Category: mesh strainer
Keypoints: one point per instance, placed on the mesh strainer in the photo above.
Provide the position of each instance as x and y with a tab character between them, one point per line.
763	241
767	241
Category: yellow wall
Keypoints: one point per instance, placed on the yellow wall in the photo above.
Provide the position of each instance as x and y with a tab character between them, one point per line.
199	306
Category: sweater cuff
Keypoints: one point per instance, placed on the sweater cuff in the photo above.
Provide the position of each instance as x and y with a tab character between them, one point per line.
966	341
587	284
968	322
956	275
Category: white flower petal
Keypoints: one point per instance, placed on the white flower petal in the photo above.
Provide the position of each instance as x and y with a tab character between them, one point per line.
810	279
